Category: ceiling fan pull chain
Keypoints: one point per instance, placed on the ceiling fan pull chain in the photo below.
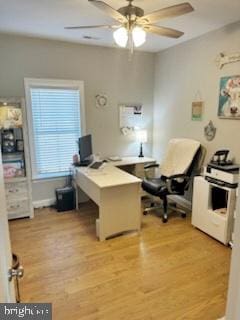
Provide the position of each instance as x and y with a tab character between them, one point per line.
131	44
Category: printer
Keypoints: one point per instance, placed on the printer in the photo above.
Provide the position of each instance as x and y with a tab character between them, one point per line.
221	171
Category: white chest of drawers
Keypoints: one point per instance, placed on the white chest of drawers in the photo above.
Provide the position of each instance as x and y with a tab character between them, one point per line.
18	196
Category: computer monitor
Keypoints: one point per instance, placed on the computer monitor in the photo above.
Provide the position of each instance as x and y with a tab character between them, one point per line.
85	148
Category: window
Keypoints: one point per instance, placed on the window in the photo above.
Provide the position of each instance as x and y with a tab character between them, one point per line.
55	120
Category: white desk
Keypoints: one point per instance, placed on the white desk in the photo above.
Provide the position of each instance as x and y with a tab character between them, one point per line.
116	192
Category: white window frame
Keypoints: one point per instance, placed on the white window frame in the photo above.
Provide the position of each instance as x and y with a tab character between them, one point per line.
30	83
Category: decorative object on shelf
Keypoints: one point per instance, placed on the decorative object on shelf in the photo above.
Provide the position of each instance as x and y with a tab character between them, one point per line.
10	116
223	59
229	98
130	117
210	131
19	145
8	141
15	116
101	100
197	110
141	136
12	169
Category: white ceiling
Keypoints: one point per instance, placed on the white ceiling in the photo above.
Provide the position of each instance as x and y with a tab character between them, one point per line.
47	18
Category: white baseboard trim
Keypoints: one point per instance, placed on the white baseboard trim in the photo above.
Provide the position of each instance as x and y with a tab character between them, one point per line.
49	202
182	202
43	203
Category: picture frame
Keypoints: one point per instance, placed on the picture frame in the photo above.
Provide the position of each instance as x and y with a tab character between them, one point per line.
130	115
13	168
19	145
14	116
229	98
197	110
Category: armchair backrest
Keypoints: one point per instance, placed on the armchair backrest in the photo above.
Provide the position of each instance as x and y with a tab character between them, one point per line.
184	186
195	170
196	165
179	156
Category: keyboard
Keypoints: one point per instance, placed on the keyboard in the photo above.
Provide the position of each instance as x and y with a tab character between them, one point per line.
96	165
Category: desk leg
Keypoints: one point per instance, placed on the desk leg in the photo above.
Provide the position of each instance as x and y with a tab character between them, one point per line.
119	210
76	194
77	201
80	196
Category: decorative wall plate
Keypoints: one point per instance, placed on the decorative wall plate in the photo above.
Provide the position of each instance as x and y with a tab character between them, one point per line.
101	100
210	131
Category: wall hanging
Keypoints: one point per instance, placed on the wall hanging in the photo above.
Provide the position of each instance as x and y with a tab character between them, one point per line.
101	100
197	107
210	131
223	59
229	98
197	110
130	117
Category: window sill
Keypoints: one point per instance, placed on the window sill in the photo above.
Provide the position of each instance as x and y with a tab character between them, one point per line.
49	177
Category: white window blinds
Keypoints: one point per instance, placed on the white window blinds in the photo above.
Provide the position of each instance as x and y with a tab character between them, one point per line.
56	127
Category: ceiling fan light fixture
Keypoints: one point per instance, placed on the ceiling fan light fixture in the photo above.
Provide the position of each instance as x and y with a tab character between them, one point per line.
121	37
133	23
139	36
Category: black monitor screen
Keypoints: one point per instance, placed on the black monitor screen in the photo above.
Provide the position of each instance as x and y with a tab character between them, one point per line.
85	147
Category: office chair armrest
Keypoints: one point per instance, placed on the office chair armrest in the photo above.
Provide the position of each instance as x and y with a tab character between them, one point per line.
151	165
148	172
177	176
170	179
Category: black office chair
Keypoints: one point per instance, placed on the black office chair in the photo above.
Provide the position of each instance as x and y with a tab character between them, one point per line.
175	184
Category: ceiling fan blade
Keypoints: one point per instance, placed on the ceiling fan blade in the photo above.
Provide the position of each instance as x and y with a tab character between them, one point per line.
92	27
169	12
162	31
109	10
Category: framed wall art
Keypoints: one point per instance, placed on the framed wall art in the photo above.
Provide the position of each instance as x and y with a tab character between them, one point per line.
229	98
130	116
197	110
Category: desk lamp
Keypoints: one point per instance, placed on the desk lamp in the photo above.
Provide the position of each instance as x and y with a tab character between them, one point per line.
141	136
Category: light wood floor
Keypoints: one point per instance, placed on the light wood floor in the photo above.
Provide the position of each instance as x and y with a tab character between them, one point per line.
168	272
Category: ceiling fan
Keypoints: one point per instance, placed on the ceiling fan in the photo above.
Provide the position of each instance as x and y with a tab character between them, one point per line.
133	24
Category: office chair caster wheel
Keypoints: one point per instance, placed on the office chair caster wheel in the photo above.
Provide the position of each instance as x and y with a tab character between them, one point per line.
145	213
164	219
184	215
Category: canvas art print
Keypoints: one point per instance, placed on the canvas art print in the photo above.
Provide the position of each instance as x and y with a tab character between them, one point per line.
197	110
229	98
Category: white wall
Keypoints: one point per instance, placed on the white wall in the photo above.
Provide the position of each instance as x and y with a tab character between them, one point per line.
180	73
104	70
